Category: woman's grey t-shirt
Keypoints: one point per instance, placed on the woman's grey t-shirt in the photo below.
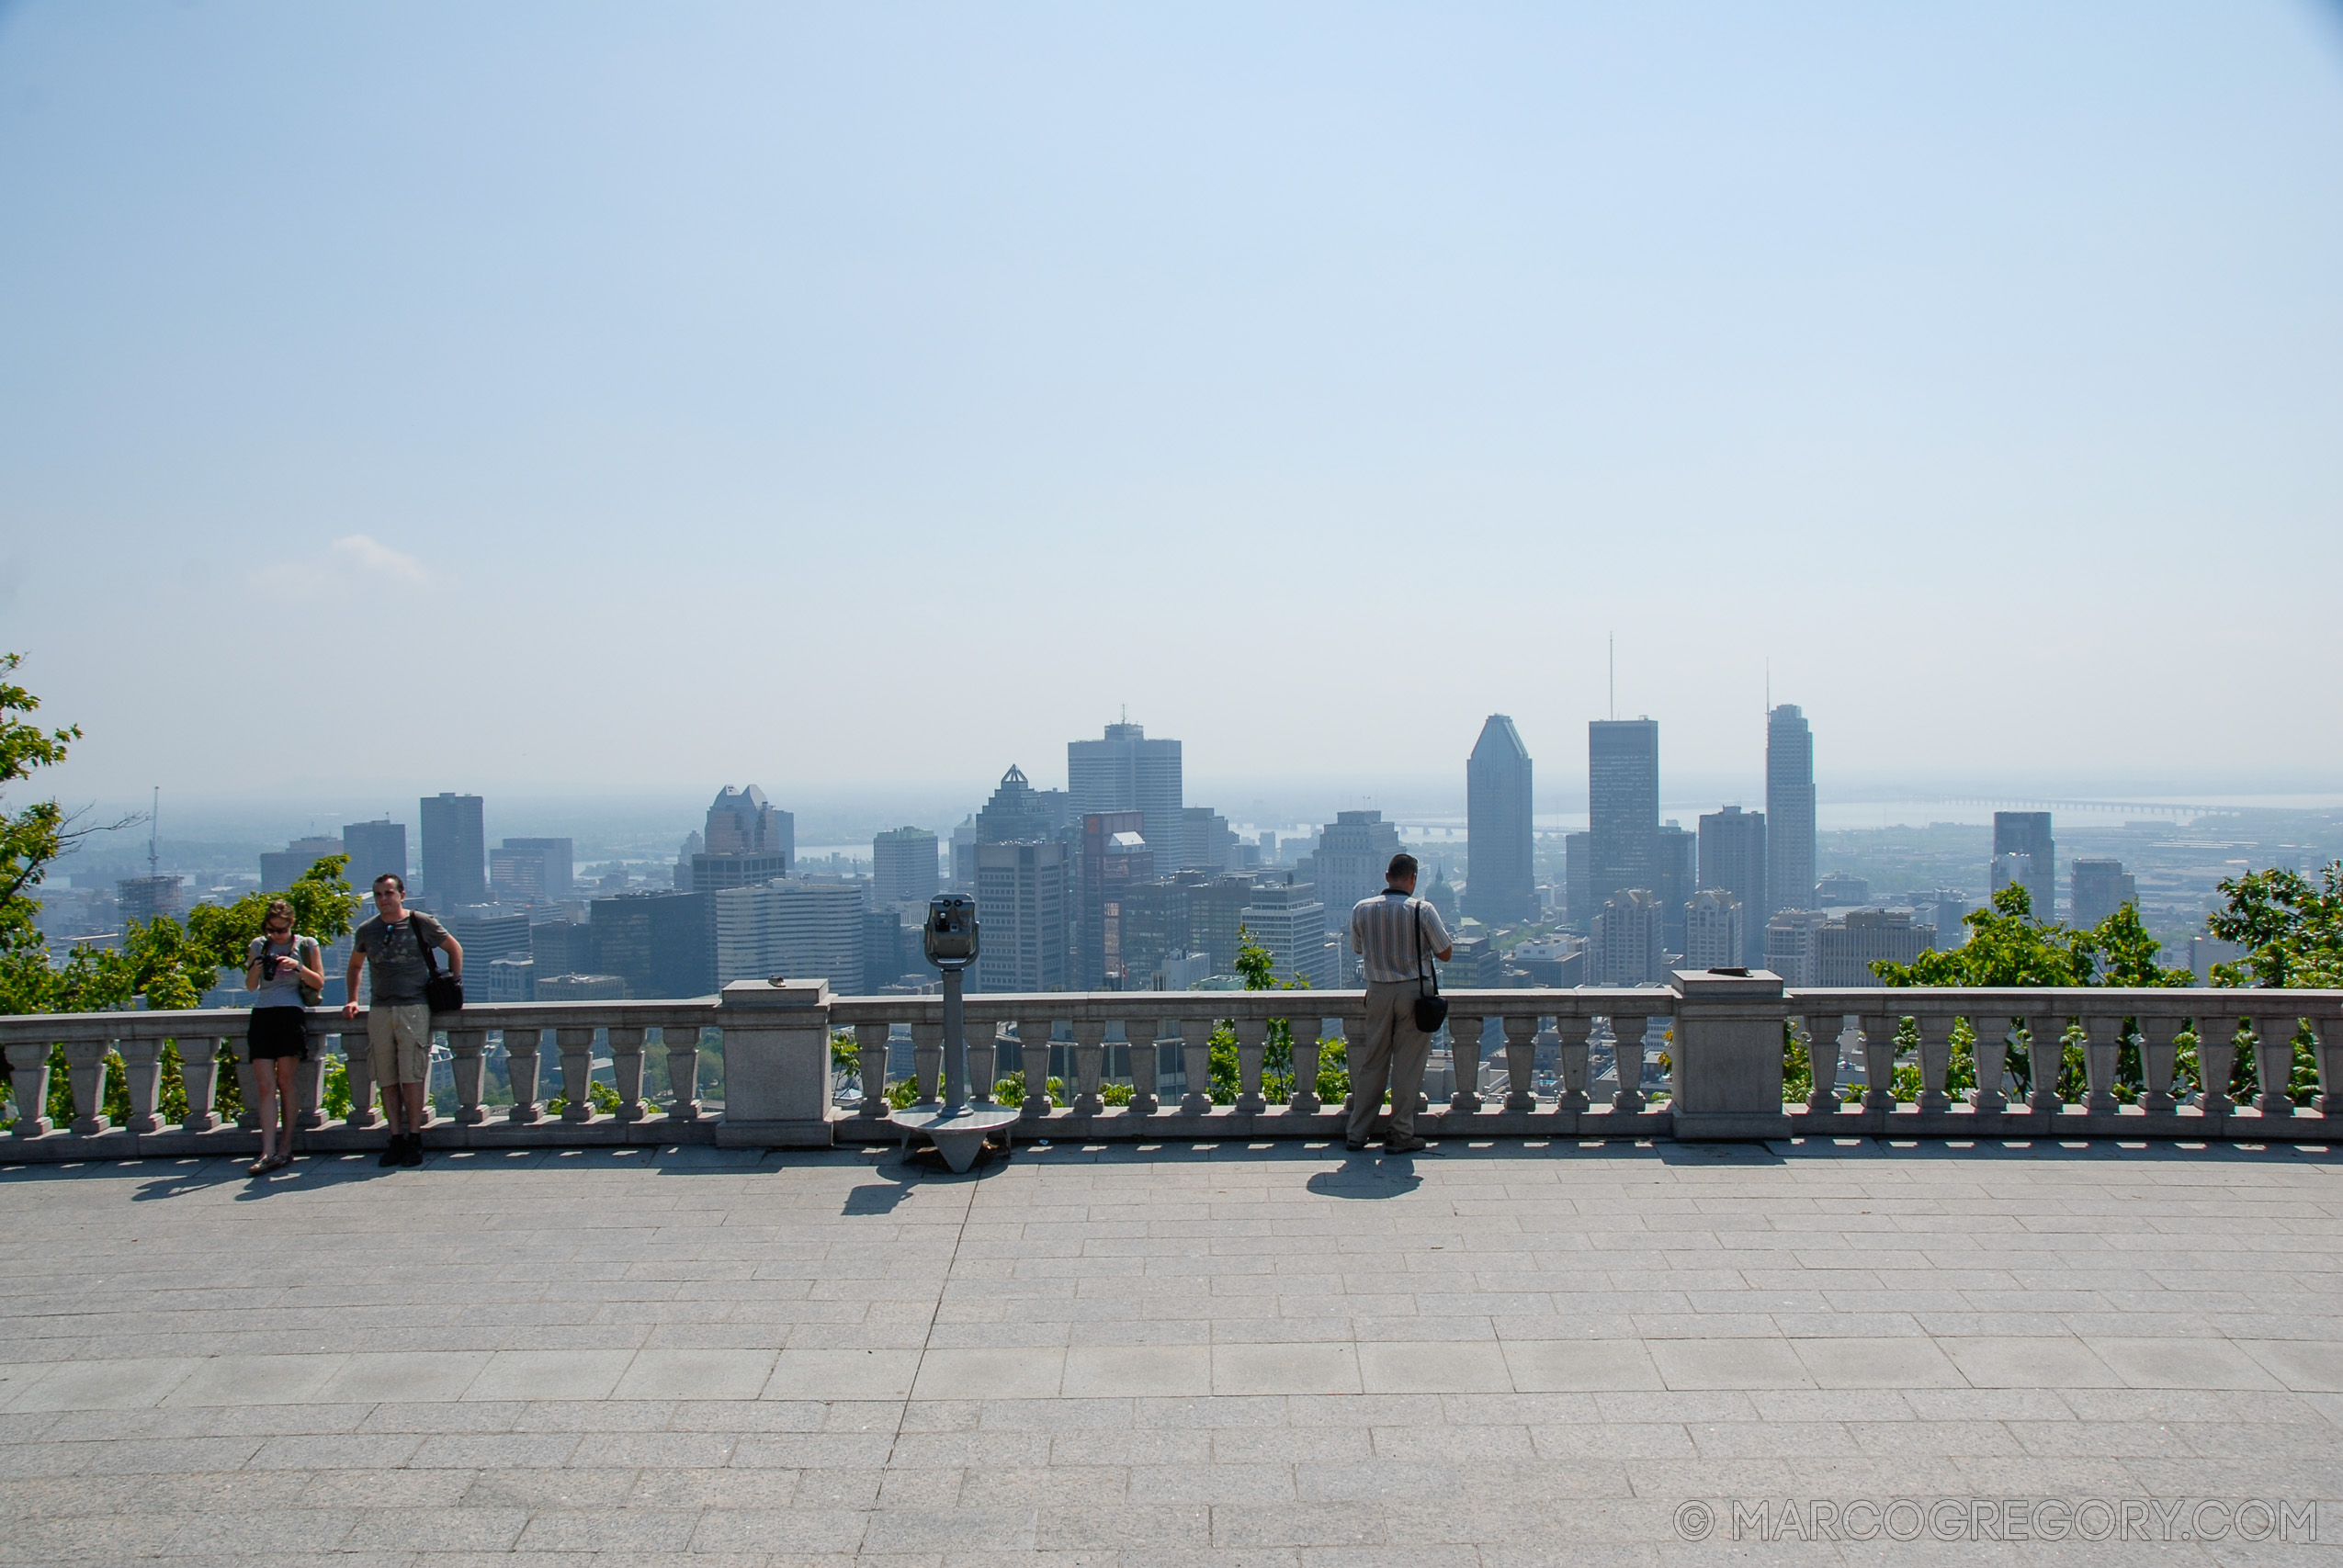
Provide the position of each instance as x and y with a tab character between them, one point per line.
397	970
275	992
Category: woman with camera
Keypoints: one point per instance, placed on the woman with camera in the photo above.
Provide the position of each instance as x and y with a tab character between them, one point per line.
285	972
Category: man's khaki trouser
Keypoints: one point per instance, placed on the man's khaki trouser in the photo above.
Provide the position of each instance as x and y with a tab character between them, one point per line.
1394	1054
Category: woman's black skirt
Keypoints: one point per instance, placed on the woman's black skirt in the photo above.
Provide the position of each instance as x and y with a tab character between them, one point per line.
278	1031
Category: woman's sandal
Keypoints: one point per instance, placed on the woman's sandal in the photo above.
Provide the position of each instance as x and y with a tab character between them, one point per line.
261	1167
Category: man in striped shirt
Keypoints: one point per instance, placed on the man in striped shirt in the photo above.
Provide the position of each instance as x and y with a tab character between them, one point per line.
1393	934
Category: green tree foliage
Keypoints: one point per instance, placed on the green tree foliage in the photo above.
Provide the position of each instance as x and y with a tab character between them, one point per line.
2009	945
2290	928
31	839
1258	966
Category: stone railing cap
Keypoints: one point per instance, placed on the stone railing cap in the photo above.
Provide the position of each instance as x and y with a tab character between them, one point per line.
778	994
1707	983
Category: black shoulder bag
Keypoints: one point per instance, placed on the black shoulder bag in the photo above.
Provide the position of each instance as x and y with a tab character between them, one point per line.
1431	1008
445	993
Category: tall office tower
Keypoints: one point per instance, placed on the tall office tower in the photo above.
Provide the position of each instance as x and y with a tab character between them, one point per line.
694	844
1216	909
1016	814
2028	833
1712	930
2020	869
798	930
1733	858
742	822
375	848
145	898
1287	919
1626	949
1789	809
487	934
2101	888
1021	897
1845	949
1126	772
561	947
1113	856
559	859
1790	944
1501	885
1153	928
1353	851
892	948
454	851
904	867
1622	806
1579	907
1676	859
279	868
1211	848
660	945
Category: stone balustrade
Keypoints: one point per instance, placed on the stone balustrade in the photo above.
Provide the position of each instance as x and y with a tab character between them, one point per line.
1721	1048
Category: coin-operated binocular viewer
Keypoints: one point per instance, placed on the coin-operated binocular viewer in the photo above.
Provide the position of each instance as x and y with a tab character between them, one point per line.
956	1128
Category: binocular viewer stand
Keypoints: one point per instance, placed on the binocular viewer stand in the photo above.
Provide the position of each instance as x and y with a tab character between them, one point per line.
955	1128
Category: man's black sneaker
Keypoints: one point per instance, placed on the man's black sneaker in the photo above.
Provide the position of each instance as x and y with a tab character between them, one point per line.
393	1153
414	1150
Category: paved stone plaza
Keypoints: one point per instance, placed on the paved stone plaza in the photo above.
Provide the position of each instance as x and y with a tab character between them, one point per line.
1252	1357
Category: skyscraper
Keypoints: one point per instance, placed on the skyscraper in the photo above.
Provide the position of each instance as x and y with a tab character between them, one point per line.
1353	851
1733	860
1676	867
1714	938
1020	896
455	850
1626	950
742	822
1501	886
1577	881
660	945
2101	888
375	848
904	867
1126	772
1622	806
1789	809
279	868
2028	833
801	929
1114	857
1287	919
560	856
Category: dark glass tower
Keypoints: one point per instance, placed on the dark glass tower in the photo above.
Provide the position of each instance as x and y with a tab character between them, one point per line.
1502	886
1789	810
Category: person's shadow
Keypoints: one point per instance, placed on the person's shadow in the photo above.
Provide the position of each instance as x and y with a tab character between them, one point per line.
1364	1175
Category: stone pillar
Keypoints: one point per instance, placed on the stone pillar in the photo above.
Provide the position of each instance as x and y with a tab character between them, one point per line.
680	1041
1880	1029
1990	1050
1146	1075
1464	1032
1521	1061
1728	1055
247	1084
200	1081
776	1064
1307	1031
1253	1043
521	1048
927	1059
871	1055
984	1059
467	1065
85	1071
1090	1067
577	1071
28	1083
1195	1061
1627	1058
1936	1059
1033	1060
2216	1056
1574	1034
2102	1045
143	1076
2330	1068
2045	1053
309	1083
2274	1065
357	1069
626	1065
2159	1062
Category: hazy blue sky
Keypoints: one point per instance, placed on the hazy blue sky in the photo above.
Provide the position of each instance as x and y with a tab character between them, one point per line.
878	393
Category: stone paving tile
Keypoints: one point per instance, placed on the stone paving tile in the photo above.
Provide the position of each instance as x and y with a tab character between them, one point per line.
1511	1354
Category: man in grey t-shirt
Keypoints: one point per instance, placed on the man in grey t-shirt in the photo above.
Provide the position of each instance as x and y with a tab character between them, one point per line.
1395	934
398	1020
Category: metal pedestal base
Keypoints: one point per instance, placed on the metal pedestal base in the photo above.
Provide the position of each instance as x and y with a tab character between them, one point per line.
958	1136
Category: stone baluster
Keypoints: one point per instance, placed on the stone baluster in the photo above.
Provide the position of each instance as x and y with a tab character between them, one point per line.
1354	1038
2159	1063
577	1071
1521	1060
200	1081
2102	1047
1879	1058
1195	1055
2329	1042
871	1055
1090	1067
1936	1060
927	1059
308	1087
1627	1059
2274	1065
2045	1057
1989	1049
28	1084
86	1067
682	1043
467	1065
1147	1070
1822	1067
1308	1033
984	1058
1033	1056
2216	1058
247	1082
1466	1031
1576	1035
143	1076
521	1048
1252	1045
626	1065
